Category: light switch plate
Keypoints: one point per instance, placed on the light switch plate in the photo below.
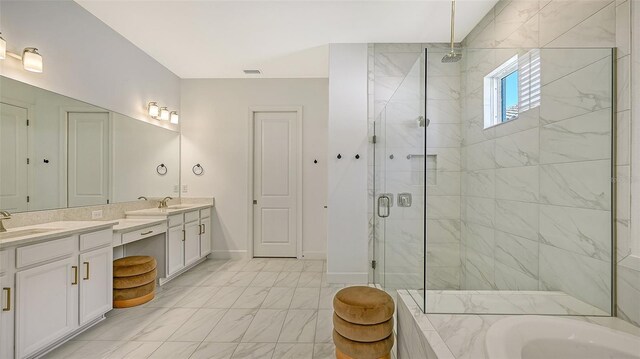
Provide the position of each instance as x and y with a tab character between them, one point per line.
185	188
96	214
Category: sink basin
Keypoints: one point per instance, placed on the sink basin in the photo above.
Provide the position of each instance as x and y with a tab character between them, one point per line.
25	232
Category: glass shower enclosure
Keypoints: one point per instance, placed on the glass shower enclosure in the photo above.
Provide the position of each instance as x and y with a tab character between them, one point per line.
478	207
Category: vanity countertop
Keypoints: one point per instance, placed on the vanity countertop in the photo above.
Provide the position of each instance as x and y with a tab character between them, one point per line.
171	210
24	235
128	224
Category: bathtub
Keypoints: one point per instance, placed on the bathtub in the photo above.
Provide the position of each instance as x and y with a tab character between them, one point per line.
538	337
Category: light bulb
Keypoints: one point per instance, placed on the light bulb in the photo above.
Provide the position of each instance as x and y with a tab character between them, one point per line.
174	117
32	60
164	114
154	109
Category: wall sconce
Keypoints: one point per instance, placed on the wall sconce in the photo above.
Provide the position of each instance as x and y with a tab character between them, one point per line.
3	48
32	60
164	114
153	109
174	117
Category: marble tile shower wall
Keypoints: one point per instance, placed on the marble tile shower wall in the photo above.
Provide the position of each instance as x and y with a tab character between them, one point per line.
396	90
535	192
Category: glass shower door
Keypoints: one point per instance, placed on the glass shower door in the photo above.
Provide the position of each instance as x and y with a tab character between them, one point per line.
399	177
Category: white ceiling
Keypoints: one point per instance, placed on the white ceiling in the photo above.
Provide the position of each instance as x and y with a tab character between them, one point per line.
284	39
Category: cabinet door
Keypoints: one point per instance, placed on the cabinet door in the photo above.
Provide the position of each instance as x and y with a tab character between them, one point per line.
96	284
47	304
192	242
8	305
205	236
175	250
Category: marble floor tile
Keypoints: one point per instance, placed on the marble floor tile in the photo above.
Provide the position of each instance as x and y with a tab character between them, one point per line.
66	350
252	297
163	327
134	350
266	326
299	326
219	279
232	326
224	297
324	326
196	328
210	350
305	298
167	297
254	266
197	297
293	266
326	297
175	350
254	351
278	298
275	265
310	279
324	351
241	279
288	279
264	279
313	266
293	351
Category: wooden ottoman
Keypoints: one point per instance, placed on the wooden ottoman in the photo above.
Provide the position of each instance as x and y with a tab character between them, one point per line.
134	281
363	323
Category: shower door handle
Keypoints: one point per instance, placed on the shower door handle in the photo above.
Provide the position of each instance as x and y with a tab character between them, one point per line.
384	206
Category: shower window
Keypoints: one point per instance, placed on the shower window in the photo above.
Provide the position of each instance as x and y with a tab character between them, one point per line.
501	93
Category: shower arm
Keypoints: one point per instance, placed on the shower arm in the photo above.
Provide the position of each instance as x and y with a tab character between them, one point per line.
453	16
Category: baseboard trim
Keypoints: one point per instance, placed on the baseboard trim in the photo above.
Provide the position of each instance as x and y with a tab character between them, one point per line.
314	255
351	278
228	254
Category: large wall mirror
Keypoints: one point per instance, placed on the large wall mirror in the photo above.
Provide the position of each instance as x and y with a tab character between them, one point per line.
58	152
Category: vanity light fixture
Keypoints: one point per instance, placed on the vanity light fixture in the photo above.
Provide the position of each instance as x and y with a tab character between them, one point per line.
153	109
32	60
164	114
174	117
3	48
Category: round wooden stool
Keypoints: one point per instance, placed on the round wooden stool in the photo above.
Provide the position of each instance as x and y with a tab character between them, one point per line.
363	323
134	281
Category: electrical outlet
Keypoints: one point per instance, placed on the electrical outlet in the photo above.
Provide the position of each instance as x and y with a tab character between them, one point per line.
176	189
185	188
96	214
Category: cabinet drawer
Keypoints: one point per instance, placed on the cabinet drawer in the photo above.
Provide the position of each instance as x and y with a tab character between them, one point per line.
191	216
205	212
175	220
41	252
4	261
143	233
96	239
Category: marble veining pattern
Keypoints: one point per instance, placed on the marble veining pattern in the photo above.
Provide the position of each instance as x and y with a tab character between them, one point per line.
222	309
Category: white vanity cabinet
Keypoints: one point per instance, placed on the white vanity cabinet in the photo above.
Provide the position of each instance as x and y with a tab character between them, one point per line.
7	304
175	249
205	232
192	241
61	285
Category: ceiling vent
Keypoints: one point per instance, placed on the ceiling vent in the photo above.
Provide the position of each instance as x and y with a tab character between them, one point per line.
252	72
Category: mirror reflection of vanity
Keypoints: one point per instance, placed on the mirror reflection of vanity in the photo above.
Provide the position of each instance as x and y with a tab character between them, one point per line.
58	152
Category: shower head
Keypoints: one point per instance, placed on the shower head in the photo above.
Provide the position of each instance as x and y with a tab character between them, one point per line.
452	57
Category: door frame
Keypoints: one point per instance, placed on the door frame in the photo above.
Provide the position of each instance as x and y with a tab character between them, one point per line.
250	182
64	148
31	117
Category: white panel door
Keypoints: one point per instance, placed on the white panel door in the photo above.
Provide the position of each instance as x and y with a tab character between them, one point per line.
13	158
88	147
47	298
96	284
275	184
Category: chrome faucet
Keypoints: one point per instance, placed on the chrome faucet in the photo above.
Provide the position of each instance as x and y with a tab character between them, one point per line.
143	197
163	203
4	215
